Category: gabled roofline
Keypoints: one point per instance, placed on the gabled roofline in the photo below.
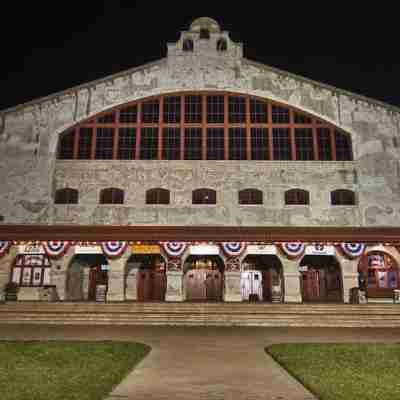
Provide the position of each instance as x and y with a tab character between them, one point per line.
161	60
82	86
325	86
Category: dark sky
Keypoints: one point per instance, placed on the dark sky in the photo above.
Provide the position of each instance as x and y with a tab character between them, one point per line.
48	47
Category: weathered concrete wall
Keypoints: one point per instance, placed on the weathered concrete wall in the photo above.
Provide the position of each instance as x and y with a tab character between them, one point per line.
182	177
29	136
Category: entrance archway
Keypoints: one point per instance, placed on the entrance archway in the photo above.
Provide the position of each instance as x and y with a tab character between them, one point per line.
86	274
379	275
150	273
262	279
321	279
203	280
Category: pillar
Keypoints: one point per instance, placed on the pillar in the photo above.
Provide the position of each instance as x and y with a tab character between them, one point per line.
350	276
131	282
116	278
232	277
59	273
291	276
174	280
6	263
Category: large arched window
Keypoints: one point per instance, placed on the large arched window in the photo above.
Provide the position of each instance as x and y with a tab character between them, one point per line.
205	126
222	45
297	197
204	196
250	197
158	196
343	197
66	196
112	196
204	33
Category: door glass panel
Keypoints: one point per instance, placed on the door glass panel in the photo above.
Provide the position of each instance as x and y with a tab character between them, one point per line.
37	276
26	276
371	278
382	279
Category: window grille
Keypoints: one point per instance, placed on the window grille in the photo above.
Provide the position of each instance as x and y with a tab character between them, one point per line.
112	196
66	196
204	196
343	197
250	197
297	197
158	196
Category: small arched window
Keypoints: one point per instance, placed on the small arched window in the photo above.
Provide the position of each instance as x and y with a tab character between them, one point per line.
222	45
204	33
158	196
297	197
1	218
66	146
343	197
66	196
112	196
204	196
250	197
188	45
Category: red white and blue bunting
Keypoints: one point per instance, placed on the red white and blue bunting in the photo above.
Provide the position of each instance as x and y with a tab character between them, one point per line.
56	249
4	247
234	249
293	249
174	249
114	249
353	250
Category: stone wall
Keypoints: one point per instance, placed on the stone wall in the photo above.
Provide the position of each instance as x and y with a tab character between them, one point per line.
29	136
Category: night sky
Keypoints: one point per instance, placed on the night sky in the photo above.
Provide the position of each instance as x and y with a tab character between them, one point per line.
49	47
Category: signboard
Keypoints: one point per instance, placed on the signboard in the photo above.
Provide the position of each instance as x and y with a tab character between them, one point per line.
105	267
261	250
204	250
303	269
31	249
320	250
146	249
88	250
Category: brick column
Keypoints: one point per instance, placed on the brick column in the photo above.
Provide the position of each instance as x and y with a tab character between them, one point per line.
232	277
174	280
116	277
5	269
59	273
349	269
291	276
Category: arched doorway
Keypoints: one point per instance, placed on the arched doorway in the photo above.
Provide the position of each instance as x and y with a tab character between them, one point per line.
203	280
379	275
87	278
149	271
262	279
321	279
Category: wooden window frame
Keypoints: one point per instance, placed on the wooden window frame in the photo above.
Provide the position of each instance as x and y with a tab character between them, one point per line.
66	196
251	197
204	196
158	196
297	197
338	198
115	196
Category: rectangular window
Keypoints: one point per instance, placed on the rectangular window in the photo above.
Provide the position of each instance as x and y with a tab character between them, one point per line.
324	144
85	143
215	144
193	109
66	146
304	144
172	110
237	144
104	143
215	109
127	144
237	110
258	111
193	144
259	144
343	147
171	144
151	112
149	144
280	115
302	119
281	141
128	115
107	119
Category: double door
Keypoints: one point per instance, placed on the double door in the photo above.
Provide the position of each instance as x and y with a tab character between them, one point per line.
251	284
151	285
96	277
203	285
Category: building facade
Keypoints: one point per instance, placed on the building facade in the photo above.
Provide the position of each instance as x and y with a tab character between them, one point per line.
202	176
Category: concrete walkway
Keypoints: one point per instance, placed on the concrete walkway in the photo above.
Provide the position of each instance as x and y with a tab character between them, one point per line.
205	363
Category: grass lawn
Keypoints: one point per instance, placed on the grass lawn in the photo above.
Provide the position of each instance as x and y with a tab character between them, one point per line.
65	370
343	371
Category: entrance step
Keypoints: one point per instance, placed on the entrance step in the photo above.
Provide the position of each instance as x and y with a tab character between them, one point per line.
202	314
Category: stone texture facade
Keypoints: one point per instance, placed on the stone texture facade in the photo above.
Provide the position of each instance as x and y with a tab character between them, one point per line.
29	135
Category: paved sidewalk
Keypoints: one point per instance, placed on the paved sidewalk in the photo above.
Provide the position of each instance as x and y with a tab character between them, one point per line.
205	363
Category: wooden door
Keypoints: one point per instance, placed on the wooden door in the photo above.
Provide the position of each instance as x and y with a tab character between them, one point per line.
159	286
213	284
96	277
195	285
267	285
144	285
311	286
